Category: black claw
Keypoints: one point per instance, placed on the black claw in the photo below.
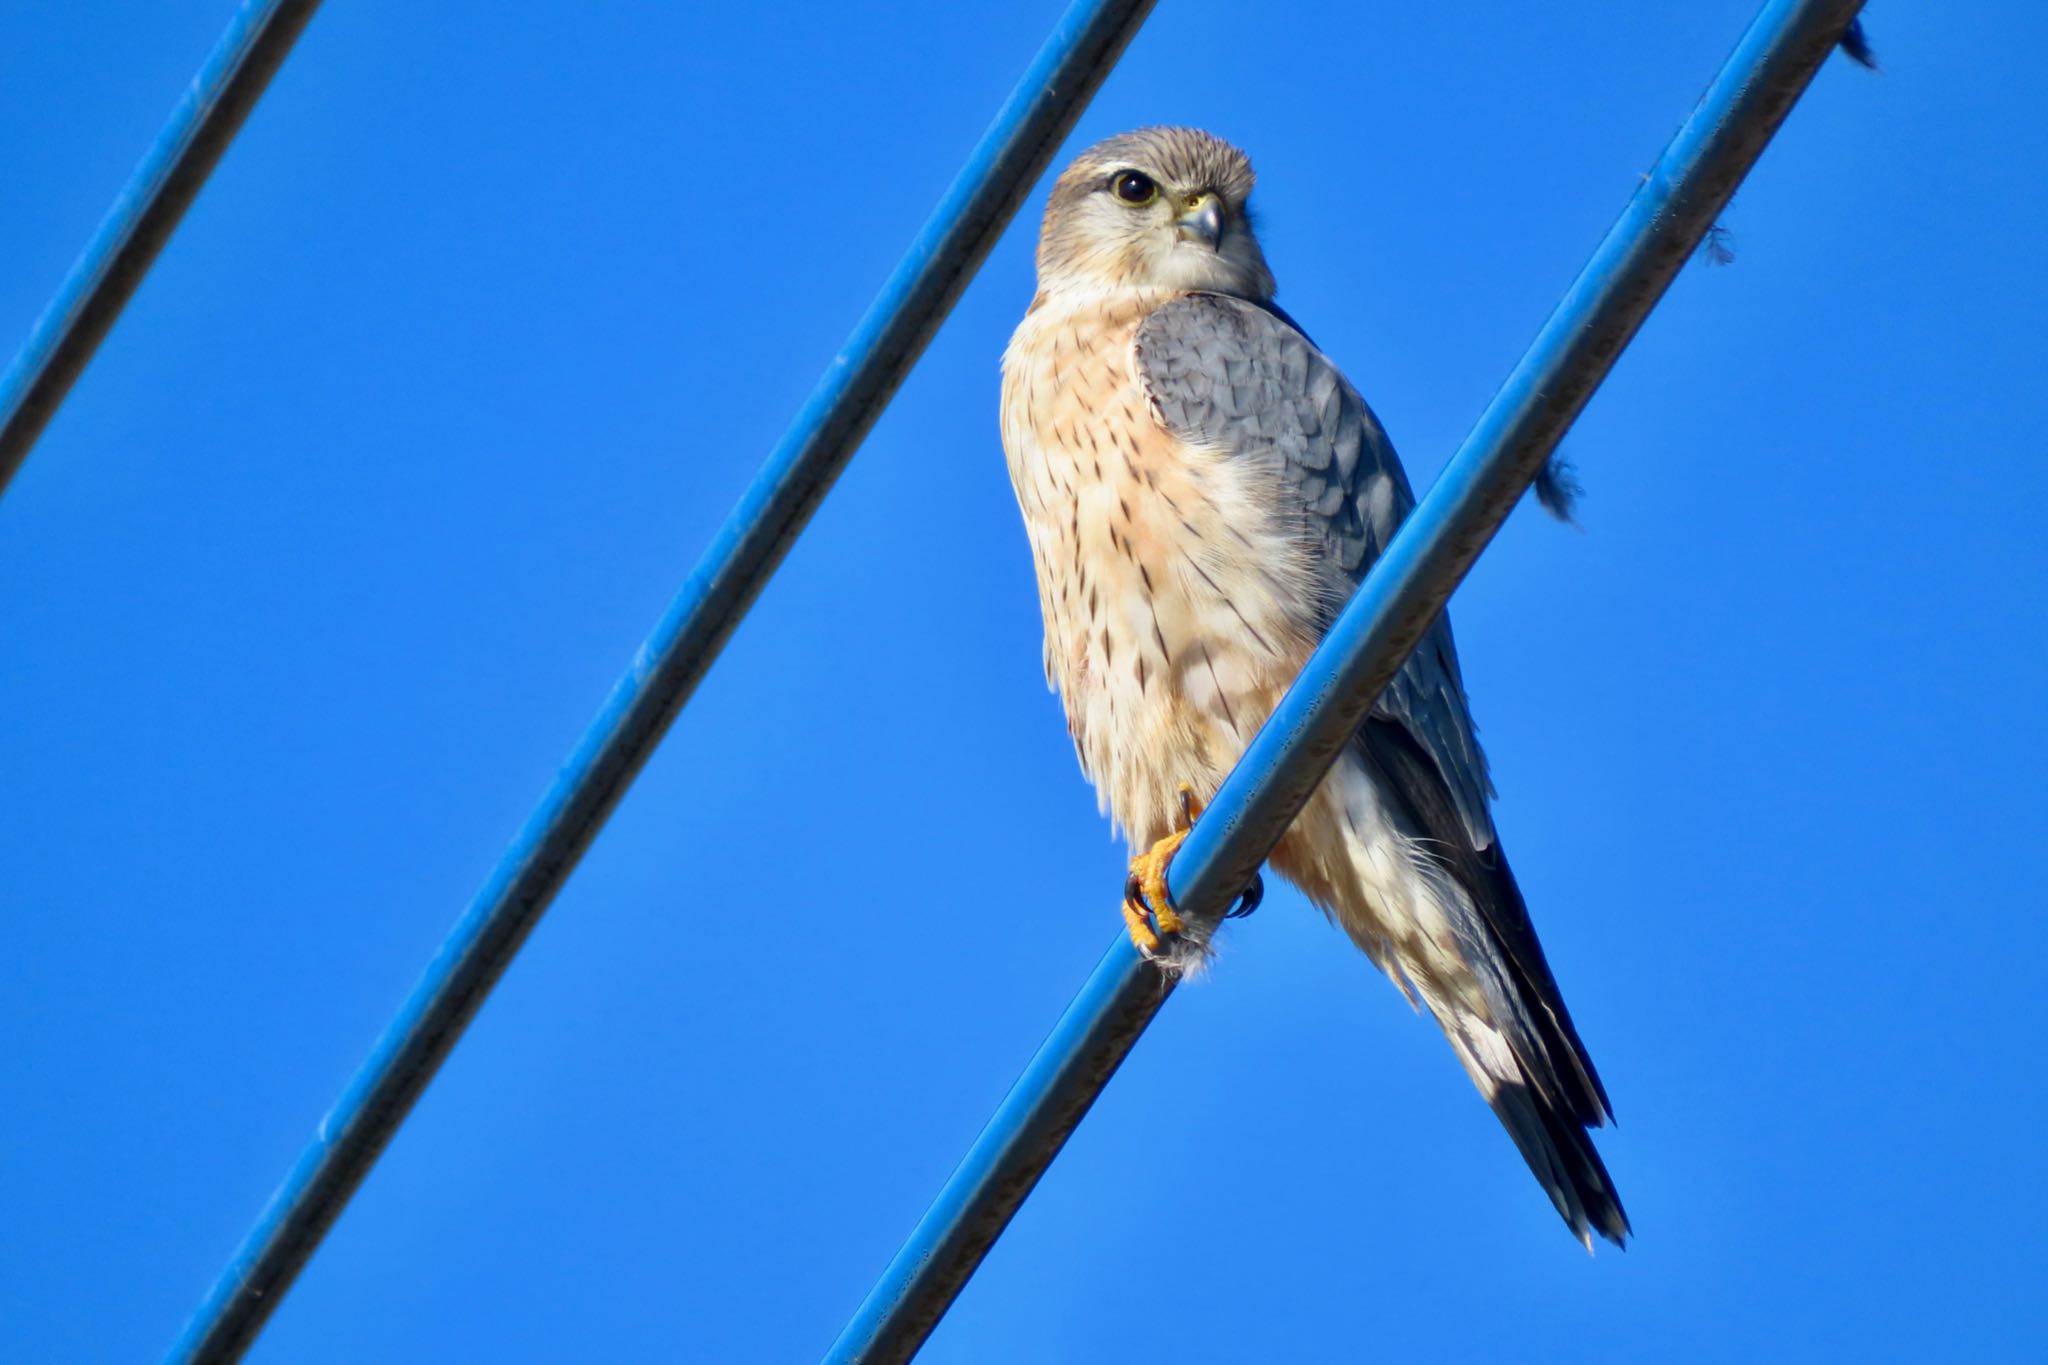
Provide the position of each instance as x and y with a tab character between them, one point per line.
1248	899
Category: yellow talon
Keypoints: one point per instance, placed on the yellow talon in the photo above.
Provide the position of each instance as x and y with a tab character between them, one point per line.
1148	905
1140	925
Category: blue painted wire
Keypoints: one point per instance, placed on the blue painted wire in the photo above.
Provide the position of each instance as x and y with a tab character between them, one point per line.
1406	590
1004	165
142	218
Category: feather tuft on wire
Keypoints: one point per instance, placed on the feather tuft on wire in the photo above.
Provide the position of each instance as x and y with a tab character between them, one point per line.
1558	489
1856	46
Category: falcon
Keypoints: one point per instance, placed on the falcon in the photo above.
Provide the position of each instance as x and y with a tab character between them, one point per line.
1202	490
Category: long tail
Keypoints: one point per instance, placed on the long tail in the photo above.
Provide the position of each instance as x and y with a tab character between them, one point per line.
1494	997
1552	1136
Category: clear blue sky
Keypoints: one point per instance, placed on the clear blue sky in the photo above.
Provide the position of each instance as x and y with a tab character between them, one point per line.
476	336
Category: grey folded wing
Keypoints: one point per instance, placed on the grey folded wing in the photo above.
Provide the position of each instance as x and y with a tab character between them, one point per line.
1230	374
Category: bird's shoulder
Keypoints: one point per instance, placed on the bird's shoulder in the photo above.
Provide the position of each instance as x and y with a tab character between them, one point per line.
1241	376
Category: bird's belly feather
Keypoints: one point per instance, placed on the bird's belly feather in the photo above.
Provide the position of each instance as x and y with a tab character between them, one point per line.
1179	602
1179	605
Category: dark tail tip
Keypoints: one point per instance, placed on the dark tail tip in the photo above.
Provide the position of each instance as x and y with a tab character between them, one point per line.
1561	1154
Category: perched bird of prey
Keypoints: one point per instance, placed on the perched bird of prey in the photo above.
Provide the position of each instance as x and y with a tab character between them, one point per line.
1202	490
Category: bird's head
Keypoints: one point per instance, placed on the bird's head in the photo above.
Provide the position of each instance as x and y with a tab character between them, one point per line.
1160	208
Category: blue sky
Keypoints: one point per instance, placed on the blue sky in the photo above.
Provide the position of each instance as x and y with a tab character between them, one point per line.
475	337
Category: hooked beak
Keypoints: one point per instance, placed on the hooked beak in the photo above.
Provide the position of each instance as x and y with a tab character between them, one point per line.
1202	221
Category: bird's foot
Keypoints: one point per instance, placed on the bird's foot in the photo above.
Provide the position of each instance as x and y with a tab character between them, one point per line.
1148	905
1149	911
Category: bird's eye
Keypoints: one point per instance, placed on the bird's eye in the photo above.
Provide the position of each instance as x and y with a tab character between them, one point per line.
1133	187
